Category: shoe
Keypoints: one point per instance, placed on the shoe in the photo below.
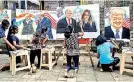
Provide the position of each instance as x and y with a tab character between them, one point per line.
38	66
68	68
34	68
111	69
76	70
101	70
116	68
72	67
66	73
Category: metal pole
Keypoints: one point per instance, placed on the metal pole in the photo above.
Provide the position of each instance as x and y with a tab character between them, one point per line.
26	4
19	3
123	2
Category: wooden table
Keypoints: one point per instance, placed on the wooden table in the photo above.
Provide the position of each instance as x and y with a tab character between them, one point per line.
49	51
13	56
122	63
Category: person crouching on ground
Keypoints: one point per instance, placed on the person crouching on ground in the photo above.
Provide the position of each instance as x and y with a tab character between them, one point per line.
103	53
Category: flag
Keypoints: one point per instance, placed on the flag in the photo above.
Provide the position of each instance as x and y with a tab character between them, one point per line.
126	23
53	21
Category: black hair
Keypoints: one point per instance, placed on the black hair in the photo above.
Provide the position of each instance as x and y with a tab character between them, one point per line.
5	22
37	36
12	29
68	31
100	40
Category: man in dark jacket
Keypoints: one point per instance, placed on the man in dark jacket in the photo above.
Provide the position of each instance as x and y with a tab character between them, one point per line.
68	20
116	30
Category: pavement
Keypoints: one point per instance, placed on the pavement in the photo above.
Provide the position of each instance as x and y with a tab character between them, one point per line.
86	73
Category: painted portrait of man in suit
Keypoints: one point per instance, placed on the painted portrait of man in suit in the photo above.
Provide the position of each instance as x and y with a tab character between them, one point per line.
67	20
45	22
117	29
28	25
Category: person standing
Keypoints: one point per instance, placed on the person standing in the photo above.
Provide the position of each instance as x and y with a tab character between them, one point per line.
71	43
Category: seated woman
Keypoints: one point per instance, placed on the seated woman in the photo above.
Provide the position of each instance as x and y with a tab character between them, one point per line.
38	40
103	53
14	40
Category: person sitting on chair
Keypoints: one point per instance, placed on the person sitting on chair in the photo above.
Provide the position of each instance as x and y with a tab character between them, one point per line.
14	40
5	25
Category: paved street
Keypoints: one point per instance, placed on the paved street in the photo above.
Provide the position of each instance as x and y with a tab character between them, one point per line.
86	73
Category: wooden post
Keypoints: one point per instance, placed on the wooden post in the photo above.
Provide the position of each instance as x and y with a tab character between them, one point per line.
88	49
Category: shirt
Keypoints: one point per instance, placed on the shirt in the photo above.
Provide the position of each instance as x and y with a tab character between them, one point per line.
37	42
68	21
104	51
72	45
120	31
2	32
12	38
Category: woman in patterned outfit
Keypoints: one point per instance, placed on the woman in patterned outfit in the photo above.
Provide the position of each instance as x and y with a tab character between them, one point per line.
71	44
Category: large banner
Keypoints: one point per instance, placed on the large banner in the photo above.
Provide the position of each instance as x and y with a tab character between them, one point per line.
86	17
117	23
26	22
49	21
5	14
31	21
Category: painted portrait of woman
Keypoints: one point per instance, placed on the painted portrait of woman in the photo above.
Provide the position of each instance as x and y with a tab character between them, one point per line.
87	23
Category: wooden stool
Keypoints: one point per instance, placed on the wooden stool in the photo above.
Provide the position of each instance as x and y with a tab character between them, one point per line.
49	51
13	56
122	64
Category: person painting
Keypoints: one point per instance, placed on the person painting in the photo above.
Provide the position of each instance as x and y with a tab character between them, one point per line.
107	62
3	27
71	44
38	40
5	24
14	40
